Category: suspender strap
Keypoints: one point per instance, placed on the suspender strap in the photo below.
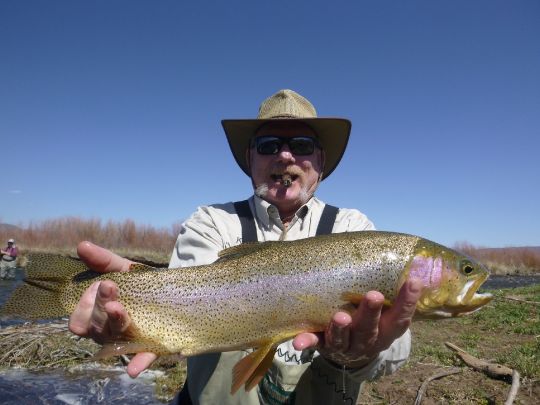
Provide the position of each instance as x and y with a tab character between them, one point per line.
328	217
247	221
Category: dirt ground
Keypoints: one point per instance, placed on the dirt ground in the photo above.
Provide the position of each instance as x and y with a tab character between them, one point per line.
466	387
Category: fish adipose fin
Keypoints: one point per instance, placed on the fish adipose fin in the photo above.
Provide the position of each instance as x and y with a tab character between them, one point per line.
251	369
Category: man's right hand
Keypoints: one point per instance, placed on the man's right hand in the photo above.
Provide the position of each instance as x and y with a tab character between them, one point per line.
98	314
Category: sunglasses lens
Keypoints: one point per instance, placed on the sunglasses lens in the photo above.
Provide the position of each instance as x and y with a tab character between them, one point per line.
302	145
299	145
268	145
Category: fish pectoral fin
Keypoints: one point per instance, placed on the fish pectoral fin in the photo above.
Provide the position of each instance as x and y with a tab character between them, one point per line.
119	348
251	369
352	297
356	298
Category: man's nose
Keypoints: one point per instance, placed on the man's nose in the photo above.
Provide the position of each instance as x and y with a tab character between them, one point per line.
285	153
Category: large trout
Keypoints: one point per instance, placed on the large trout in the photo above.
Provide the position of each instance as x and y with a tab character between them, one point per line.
257	295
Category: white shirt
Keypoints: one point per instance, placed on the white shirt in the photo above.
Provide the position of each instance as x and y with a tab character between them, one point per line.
216	227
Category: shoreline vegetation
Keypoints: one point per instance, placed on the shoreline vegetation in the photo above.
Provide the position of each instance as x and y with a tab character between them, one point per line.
144	243
153	245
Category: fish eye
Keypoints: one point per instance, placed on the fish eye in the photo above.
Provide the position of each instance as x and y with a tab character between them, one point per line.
467	267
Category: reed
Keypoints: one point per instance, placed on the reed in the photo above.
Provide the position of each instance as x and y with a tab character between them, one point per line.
126	237
504	261
138	241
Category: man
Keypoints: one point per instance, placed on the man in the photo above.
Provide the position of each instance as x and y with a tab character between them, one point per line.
8	264
287	151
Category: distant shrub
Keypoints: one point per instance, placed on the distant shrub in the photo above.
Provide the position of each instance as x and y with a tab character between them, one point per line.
63	234
509	260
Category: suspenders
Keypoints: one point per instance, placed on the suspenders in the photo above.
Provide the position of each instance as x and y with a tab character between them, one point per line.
249	232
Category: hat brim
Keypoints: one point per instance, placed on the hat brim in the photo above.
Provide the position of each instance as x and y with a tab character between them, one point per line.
332	134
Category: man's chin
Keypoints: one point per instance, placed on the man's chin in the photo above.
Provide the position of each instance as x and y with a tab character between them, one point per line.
278	194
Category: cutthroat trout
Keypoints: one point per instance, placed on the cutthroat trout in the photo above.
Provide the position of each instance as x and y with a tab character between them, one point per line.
257	295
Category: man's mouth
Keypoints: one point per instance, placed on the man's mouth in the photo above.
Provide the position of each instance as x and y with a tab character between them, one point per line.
285	179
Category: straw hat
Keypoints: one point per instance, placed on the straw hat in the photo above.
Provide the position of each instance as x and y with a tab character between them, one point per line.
332	133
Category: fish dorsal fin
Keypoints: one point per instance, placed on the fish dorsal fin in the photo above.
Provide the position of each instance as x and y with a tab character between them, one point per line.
251	369
243	249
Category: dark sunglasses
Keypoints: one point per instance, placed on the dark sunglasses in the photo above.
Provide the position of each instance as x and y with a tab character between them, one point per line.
299	145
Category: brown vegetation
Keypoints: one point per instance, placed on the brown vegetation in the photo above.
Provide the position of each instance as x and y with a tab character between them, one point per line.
155	244
126	238
503	261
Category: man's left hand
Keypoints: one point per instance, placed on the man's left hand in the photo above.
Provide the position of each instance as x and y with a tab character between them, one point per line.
355	340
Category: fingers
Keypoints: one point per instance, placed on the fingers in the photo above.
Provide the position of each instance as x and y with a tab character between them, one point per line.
337	331
306	341
365	327
139	363
336	336
396	320
100	259
78	320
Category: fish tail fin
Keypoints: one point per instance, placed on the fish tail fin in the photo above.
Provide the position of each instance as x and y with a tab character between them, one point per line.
41	296
251	369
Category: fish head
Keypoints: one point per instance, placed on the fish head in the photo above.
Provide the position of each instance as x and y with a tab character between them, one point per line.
450	281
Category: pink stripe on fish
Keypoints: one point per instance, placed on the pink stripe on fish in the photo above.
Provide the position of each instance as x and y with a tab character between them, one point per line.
427	269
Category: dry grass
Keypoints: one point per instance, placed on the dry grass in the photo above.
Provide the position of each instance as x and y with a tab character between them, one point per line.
142	242
35	346
505	261
126	238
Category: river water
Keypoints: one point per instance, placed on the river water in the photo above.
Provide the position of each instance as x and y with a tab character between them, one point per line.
80	386
91	386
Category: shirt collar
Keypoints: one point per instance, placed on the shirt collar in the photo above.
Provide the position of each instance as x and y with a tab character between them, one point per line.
268	214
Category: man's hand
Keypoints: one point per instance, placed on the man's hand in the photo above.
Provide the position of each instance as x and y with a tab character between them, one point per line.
354	341
98	314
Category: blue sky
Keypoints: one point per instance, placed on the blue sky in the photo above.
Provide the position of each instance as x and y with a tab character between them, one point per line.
112	109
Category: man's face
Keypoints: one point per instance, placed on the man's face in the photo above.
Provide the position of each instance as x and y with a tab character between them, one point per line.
267	171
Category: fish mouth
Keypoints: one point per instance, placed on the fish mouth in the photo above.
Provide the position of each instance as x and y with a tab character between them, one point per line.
468	300
471	298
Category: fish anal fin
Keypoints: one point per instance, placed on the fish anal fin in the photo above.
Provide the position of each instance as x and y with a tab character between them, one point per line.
356	298
251	369
260	371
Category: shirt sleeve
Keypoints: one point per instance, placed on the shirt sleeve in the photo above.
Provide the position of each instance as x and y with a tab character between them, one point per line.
351	220
198	242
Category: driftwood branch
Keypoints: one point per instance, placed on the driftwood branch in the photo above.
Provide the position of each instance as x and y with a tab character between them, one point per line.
423	387
514	389
491	369
511	298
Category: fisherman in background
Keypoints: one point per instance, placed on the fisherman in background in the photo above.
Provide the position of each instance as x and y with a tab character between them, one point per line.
8	264
286	151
